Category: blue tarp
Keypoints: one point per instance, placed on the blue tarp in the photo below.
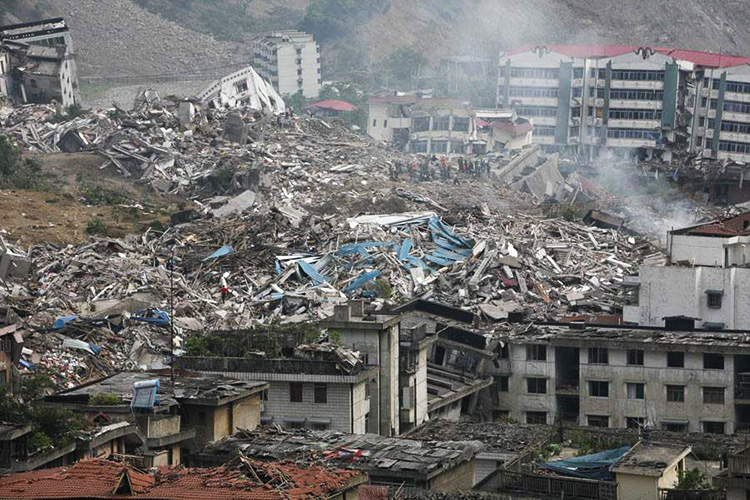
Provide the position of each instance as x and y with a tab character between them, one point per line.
63	320
221	252
596	466
361	281
153	316
309	270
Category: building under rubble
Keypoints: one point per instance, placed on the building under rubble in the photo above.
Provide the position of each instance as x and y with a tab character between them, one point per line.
37	63
659	102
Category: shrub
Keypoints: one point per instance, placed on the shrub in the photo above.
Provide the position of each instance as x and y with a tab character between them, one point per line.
96	226
105	400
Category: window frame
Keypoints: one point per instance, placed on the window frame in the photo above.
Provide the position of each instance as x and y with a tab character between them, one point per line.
317	388
536	352
597	384
296	388
534	383
639	355
675	390
598	356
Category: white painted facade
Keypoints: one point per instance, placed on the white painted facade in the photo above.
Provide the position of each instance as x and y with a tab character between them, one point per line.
4	72
243	88
290	60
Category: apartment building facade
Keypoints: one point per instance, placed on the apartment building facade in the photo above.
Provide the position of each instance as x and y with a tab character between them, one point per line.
626	99
290	60
677	381
706	278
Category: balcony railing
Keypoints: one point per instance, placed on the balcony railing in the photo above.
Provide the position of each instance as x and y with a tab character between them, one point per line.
692	494
559	487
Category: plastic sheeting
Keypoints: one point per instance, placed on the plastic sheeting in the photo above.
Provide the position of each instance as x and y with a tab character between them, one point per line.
595	466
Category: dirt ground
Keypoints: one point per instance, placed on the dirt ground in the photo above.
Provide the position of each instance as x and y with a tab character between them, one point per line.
60	215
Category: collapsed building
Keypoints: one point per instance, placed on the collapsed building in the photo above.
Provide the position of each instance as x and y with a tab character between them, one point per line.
431	125
37	63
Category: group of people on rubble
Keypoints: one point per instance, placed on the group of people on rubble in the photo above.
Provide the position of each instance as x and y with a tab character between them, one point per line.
429	168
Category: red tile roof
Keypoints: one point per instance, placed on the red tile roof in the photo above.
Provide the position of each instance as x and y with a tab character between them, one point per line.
98	478
334	105
706	59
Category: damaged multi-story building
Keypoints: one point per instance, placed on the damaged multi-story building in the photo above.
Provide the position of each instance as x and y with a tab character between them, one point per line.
704	278
654	102
444	126
37	63
290	60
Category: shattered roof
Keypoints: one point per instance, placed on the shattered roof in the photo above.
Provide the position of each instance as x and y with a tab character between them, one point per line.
498	437
188	388
99	478
369	452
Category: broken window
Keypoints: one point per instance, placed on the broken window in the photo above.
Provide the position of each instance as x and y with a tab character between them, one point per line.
536	385
575	112
240	87
295	392
713	361
636	391
321	393
577	92
713	395
634	422
598	356
501	383
442	123
439	147
598	389
419	147
714	298
420	124
635	357
535	352
676	359
598	420
675	393
461	124
536	417
713	427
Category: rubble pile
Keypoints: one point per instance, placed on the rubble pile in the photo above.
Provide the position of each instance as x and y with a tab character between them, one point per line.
291	217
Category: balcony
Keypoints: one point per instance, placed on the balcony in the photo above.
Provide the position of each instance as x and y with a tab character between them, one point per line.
567	386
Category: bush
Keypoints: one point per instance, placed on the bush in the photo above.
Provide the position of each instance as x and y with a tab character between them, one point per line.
105	400
96	226
17	172
39	441
97	195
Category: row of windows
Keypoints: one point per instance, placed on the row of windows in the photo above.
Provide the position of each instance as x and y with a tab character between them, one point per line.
628	133
728	126
320	393
600	356
732	106
534	92
544	131
634	390
633	75
422	123
546	73
536	111
733	147
628	95
540	418
740	88
635	114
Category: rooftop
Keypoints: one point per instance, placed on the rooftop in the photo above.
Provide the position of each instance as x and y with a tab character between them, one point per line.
594	51
188	388
334	105
650	459
698	340
368	452
729	227
498	437
100	478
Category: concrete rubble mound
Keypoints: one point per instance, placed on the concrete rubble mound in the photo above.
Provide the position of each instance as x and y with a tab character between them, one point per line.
292	216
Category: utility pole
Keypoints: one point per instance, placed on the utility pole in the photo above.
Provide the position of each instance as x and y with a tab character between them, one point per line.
171	314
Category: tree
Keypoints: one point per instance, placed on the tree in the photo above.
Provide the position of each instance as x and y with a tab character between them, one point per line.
691	480
404	66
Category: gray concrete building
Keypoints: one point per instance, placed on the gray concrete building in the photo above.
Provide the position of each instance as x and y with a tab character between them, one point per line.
290	60
304	393
692	381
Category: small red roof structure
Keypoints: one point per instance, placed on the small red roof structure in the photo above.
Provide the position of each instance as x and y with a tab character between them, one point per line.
333	105
99	478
